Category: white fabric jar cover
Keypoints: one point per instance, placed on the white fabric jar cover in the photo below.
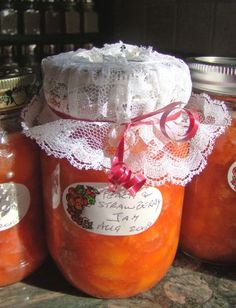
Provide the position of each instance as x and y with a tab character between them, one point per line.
89	96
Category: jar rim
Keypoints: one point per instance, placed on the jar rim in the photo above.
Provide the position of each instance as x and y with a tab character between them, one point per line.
14	78
215	75
15	87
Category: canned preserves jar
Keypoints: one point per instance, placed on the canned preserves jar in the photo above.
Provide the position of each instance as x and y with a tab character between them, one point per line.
208	226
22	242
116	153
101	256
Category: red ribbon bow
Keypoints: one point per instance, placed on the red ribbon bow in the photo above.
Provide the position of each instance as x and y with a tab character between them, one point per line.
120	174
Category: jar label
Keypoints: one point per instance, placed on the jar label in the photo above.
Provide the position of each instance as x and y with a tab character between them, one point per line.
56	188
232	176
93	207
14	204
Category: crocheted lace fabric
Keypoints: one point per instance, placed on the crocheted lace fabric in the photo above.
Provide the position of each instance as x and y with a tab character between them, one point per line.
116	82
88	96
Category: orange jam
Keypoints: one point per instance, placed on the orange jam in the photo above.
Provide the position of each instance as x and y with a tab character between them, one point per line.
209	216
22	246
102	265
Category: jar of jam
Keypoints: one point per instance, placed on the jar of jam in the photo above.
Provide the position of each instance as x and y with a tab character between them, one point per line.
113	170
115	256
208	225
22	242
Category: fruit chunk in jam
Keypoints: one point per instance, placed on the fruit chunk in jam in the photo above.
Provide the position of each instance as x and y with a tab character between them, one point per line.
208	229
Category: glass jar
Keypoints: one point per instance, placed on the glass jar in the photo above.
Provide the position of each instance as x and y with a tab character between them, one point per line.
8	18
22	241
30	59
9	56
109	244
113	169
90	17
208	229
71	16
102	263
52	17
31	17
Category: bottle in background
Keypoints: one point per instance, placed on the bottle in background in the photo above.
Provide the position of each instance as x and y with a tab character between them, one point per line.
50	49
69	47
8	56
87	45
31	17
71	16
8	18
30	61
90	17
52	17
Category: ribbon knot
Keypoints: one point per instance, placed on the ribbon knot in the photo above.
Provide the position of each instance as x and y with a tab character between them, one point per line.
120	174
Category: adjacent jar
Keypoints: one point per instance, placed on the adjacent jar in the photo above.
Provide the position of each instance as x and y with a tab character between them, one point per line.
208	229
22	241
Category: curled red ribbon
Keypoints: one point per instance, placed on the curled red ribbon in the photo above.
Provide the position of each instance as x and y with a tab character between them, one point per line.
120	174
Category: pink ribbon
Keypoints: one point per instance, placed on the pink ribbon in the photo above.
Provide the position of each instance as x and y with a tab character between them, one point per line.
120	174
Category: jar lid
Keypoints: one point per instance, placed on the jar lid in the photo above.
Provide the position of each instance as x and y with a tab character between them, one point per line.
116	82
215	75
15	87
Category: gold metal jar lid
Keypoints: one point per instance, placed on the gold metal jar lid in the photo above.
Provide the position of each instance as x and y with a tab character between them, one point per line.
214	75
15	88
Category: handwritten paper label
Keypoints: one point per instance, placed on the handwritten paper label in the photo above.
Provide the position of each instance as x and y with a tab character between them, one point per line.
56	188
93	207
231	176
14	204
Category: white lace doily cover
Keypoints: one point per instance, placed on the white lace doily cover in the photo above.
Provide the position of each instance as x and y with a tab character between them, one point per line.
116	82
103	88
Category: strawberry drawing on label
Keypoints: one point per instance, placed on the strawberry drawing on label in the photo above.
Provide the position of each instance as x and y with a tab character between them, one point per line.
78	198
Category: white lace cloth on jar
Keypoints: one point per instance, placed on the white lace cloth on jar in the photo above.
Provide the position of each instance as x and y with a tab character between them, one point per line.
89	95
92	145
116	82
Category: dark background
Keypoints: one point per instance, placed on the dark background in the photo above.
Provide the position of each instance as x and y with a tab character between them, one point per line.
179	27
196	27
